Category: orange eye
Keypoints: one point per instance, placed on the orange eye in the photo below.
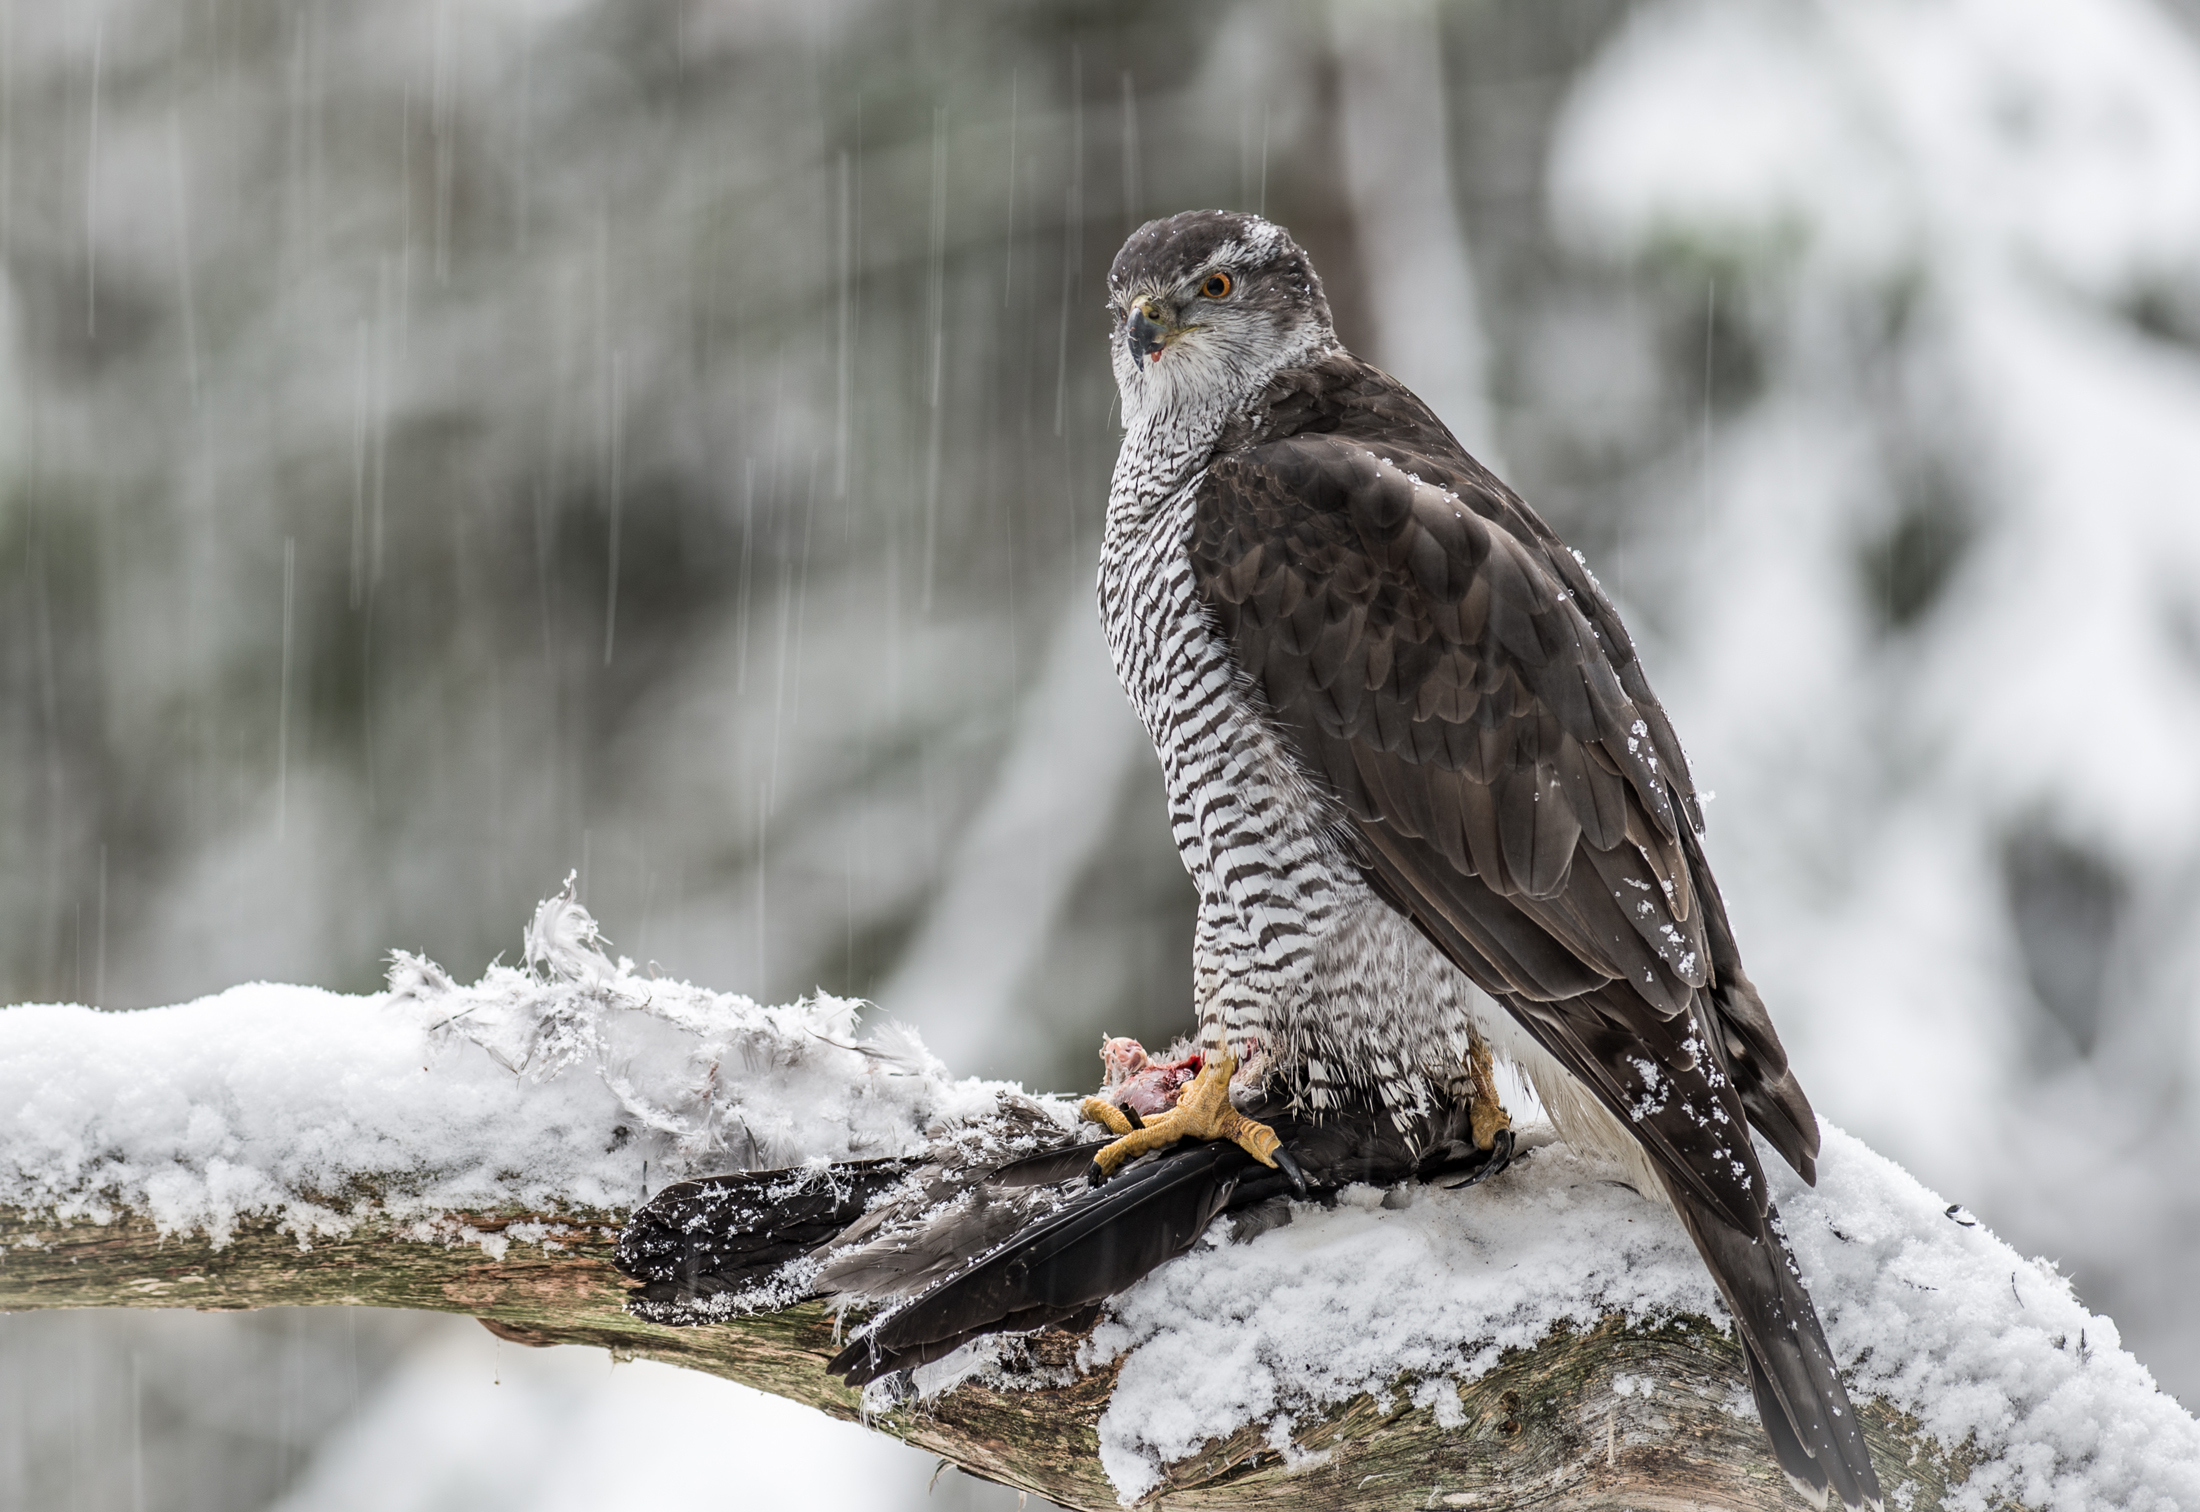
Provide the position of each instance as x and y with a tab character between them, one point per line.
1217	286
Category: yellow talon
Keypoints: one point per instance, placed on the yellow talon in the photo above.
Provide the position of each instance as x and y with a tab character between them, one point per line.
1100	1111
1202	1111
1487	1113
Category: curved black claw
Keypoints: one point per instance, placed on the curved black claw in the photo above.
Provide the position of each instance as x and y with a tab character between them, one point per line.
1500	1156
1094	1176
1287	1163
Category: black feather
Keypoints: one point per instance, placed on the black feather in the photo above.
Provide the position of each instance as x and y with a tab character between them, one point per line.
1096	1245
697	1241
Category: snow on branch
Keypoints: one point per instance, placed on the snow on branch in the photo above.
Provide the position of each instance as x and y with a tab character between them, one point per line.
474	1148
571	1080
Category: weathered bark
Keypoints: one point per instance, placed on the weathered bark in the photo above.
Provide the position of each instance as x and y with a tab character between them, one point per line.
1613	1416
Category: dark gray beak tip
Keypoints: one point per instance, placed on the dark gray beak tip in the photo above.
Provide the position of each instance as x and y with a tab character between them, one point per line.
1144	337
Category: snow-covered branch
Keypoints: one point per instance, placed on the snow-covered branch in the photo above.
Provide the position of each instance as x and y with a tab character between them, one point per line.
1547	1337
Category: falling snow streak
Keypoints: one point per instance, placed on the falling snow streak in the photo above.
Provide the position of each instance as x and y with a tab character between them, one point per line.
936	350
1008	214
844	373
1073	230
1134	213
7	122
1260	200
442	133
746	601
99	959
362	428
282	717
1710	332
387	318
305	88
615	489
791	680
186	296
523	155
91	178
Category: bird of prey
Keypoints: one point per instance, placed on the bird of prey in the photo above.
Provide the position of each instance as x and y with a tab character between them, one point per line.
1422	784
1432	811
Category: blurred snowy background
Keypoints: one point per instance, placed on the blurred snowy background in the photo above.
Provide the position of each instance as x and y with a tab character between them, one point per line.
448	442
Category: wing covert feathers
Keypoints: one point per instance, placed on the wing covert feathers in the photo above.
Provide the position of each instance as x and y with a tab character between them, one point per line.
1453	675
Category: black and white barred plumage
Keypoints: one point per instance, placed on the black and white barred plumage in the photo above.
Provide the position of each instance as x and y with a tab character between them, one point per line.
1421	783
1296	962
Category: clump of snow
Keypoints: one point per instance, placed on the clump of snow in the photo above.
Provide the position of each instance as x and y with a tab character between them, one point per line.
574	1081
1934	1315
1937	1315
1347	1299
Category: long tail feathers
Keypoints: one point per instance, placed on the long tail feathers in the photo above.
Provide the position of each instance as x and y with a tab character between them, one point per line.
1815	1432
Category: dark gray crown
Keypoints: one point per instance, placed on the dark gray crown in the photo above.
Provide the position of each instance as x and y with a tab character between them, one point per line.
1165	252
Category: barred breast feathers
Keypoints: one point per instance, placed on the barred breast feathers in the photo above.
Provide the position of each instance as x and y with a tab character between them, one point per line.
1296	957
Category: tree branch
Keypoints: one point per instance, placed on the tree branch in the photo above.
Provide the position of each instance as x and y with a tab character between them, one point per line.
471	1148
1611	1416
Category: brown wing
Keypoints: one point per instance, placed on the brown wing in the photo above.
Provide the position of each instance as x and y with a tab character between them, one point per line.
1468	693
1462	685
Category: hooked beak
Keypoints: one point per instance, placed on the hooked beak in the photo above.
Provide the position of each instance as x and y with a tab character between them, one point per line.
1145	335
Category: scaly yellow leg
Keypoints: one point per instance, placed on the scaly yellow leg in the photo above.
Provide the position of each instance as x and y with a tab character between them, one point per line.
1202	1111
1100	1111
1487	1113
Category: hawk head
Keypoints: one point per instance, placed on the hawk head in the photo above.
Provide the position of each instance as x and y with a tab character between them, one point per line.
1208	306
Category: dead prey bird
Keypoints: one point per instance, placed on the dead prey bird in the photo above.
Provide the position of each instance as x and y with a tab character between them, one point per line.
999	1227
1431	808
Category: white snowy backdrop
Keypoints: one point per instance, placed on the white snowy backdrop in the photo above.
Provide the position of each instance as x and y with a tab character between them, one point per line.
1932	605
445	443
